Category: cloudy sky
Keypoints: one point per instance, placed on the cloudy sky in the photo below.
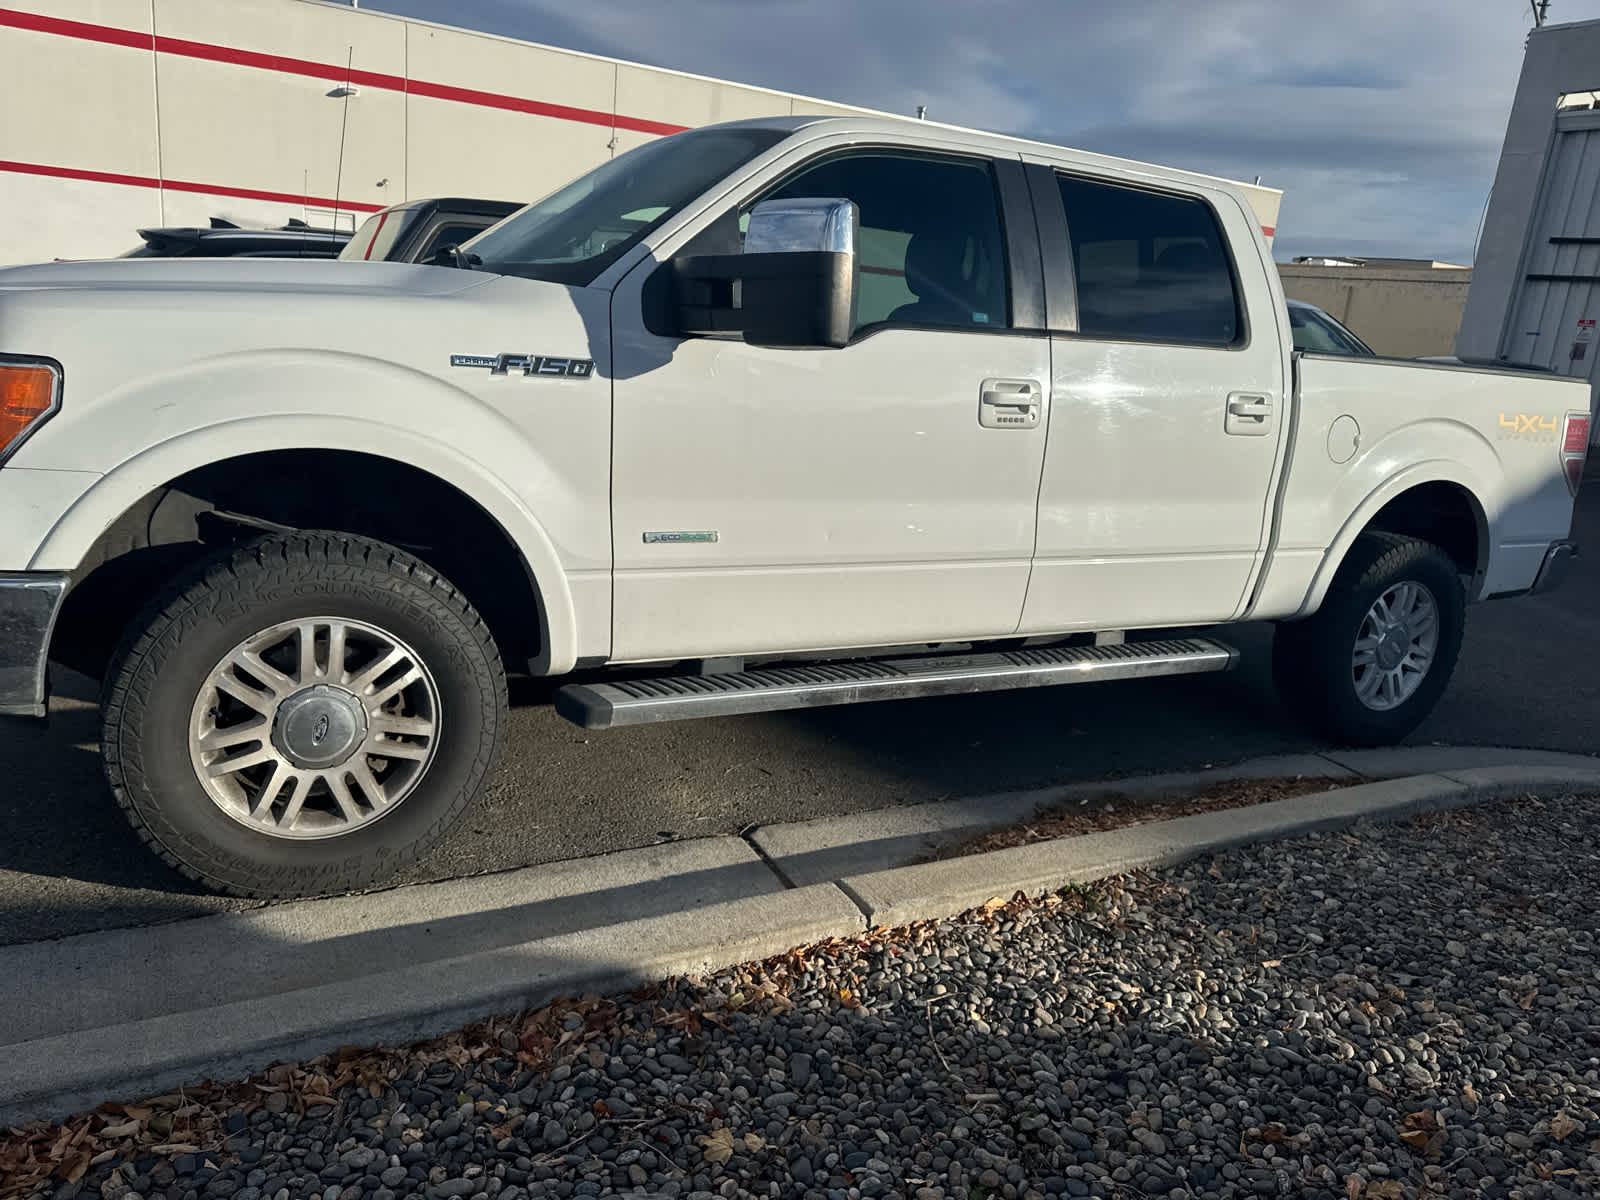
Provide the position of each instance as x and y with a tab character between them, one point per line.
1380	119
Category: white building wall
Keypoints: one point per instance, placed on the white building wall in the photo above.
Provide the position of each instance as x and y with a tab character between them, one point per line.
122	114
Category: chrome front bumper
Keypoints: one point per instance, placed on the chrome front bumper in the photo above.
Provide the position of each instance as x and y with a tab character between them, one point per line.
1556	567
29	604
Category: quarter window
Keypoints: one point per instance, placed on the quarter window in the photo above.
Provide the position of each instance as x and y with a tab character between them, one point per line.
1150	267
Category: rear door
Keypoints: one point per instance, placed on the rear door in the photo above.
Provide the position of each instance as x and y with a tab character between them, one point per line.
1168	419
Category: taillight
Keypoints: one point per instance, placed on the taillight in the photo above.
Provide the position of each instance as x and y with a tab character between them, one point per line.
30	389
1575	448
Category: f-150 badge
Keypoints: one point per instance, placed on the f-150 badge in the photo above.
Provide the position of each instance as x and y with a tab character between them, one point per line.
548	365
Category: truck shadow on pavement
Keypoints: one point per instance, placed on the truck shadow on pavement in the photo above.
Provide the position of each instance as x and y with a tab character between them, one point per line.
70	863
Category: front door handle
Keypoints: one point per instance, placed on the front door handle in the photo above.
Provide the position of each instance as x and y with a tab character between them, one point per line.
1248	415
1009	403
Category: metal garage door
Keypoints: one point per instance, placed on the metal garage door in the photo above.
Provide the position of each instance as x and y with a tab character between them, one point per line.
1554	319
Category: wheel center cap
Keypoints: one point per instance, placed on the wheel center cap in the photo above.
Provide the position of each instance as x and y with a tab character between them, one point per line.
319	726
1393	646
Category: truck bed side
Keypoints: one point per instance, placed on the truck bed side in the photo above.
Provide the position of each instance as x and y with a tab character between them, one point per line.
1369	431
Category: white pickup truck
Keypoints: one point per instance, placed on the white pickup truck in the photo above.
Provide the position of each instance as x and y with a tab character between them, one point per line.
769	414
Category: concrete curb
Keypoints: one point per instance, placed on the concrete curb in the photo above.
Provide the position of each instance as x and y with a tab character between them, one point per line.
942	889
144	1010
53	1076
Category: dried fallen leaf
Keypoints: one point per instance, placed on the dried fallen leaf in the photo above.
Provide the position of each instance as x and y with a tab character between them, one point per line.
1561	1125
718	1145
1470	1097
1424	1119
1417	1139
1542	1171
125	1129
1354	1185
1526	1002
1386	1189
754	1141
1272	962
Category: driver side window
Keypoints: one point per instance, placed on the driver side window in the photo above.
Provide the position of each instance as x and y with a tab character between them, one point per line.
931	249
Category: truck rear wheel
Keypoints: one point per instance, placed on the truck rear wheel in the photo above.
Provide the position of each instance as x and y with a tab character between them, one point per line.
303	715
1375	658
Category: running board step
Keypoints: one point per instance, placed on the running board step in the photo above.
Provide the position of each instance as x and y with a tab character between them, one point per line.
766	689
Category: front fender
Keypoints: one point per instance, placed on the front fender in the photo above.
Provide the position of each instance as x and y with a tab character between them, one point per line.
247	403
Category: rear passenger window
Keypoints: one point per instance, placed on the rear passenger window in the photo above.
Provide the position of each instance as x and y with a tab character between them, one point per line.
1150	267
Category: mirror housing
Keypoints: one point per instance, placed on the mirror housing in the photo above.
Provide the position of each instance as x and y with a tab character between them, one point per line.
794	286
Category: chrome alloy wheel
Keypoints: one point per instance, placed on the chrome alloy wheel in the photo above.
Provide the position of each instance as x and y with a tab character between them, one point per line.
1395	646
314	728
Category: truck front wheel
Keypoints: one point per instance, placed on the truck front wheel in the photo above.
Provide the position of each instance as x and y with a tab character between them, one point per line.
1375	658
302	715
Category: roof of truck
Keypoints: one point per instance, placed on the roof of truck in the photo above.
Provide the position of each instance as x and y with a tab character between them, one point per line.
899	126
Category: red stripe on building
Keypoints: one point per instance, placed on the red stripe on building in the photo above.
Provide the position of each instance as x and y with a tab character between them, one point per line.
562	112
84	31
1268	230
276	62
179	185
75	29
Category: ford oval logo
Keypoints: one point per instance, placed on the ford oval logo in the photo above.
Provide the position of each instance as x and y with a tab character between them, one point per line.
320	731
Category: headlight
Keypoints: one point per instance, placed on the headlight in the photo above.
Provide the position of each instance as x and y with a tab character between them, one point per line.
30	393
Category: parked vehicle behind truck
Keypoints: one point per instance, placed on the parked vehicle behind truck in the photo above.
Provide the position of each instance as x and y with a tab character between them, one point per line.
814	411
417	230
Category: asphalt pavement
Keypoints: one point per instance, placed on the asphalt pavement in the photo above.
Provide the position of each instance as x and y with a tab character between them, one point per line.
1527	677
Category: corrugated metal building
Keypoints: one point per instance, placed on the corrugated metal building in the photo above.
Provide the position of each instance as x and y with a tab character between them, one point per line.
122	114
1535	294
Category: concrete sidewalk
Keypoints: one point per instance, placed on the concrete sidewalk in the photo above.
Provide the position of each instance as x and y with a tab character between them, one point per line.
134	1011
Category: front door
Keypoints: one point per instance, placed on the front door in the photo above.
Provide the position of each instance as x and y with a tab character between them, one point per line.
878	494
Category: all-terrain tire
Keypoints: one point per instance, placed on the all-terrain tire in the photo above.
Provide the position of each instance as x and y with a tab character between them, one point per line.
1314	660
168	657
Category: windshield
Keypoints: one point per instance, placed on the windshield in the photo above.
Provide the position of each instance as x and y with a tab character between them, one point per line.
378	234
575	233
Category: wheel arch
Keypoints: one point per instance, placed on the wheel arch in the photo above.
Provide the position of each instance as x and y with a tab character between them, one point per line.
452	493
1427	501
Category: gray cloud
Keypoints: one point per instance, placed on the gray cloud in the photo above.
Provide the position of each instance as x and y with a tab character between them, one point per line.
1381	121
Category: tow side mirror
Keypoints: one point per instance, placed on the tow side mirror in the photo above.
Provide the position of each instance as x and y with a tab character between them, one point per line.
794	285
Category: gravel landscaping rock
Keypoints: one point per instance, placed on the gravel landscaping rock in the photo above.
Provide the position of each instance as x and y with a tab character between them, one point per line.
1403	1012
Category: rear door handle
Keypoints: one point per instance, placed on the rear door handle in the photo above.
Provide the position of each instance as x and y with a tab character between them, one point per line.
1249	415
1009	403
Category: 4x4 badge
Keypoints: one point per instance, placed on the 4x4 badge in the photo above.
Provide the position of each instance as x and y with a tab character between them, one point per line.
548	365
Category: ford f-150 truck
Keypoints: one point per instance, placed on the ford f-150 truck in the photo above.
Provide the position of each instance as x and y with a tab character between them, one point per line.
768	414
